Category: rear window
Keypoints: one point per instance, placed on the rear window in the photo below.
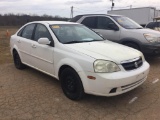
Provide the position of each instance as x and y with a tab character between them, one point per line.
75	19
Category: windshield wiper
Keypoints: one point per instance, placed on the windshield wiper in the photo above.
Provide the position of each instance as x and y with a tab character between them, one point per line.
96	40
70	42
139	28
135	28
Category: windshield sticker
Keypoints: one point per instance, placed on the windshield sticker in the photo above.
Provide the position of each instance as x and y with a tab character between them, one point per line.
55	26
120	20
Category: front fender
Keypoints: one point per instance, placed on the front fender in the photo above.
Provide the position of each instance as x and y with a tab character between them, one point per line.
70	62
133	40
77	67
130	40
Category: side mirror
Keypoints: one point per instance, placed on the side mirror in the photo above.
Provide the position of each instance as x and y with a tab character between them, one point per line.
44	41
113	26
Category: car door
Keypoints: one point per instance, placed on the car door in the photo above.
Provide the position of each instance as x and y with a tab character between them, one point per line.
24	41
100	25
104	29
42	55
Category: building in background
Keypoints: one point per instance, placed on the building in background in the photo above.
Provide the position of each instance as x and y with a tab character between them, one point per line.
141	15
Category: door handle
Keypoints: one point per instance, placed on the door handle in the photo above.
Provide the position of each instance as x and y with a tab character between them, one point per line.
33	46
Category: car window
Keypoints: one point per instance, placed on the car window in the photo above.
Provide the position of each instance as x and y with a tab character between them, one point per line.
103	23
90	22
152	25
157	26
75	19
28	31
41	32
20	32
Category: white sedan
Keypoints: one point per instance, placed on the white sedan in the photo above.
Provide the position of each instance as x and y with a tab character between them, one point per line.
81	59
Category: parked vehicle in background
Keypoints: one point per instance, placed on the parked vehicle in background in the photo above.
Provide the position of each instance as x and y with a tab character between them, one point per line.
82	60
123	30
154	26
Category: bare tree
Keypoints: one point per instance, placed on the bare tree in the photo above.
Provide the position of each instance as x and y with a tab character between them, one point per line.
21	19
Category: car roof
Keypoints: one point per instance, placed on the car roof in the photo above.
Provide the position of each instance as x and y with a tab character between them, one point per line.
99	15
76	18
54	22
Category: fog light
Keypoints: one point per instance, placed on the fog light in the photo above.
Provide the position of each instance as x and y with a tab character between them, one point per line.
113	90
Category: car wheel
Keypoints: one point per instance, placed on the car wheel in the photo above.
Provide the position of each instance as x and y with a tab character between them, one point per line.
132	45
71	84
17	61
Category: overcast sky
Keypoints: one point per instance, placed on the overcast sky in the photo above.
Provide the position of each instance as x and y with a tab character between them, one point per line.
62	7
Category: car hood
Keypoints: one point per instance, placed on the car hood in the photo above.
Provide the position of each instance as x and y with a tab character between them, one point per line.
145	30
106	50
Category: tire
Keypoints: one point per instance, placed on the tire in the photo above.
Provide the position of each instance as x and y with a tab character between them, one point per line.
71	84
17	61
132	45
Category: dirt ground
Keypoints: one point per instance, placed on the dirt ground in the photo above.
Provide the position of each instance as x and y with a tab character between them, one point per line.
5	33
31	95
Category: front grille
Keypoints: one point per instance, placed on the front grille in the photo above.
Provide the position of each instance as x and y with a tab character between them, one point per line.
134	64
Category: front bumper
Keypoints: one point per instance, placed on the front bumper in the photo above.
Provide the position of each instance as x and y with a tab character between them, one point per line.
111	84
151	49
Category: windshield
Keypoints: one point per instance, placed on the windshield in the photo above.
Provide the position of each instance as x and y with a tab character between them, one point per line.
74	33
126	22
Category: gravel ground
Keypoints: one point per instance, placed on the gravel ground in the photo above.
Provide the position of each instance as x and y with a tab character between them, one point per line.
31	95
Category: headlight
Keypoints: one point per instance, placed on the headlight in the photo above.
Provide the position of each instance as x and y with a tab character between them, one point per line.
103	66
152	38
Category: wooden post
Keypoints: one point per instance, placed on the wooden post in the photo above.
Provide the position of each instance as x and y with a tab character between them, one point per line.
7	33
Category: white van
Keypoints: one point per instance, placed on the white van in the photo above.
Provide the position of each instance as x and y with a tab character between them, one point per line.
123	30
